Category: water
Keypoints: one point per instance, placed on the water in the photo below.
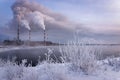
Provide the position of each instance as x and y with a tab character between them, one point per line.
110	51
31	54
35	54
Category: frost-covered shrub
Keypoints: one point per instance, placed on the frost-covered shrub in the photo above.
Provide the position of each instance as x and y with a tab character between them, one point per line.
2	63
30	74
115	63
53	71
14	71
81	55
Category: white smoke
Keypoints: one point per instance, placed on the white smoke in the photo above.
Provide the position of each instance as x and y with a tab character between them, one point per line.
29	16
25	24
37	19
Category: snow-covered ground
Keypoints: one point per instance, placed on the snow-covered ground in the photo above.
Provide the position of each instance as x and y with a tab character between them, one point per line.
79	63
108	69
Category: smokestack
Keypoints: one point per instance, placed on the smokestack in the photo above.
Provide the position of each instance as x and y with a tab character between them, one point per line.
29	36
45	37
18	34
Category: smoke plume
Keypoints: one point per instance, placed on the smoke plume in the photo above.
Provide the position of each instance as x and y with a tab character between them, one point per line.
25	24
35	17
38	16
28	15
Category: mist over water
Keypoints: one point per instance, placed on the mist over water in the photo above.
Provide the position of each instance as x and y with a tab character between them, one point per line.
34	54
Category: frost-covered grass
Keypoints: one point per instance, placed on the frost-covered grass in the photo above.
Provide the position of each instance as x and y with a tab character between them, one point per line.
79	62
81	56
56	71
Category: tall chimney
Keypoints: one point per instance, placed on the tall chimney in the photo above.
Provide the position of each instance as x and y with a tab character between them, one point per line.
45	37
29	36
18	34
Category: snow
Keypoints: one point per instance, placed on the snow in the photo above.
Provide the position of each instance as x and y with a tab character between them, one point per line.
108	69
57	71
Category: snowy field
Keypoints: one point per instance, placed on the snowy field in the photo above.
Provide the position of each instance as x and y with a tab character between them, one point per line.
106	70
78	63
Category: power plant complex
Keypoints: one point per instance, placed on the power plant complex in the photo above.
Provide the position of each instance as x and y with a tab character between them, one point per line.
29	17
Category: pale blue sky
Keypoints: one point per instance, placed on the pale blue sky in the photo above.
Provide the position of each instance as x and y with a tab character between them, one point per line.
99	15
92	13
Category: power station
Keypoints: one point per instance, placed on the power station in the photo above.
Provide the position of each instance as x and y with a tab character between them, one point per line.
29	36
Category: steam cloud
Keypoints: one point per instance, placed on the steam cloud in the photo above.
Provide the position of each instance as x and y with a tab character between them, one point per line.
25	24
28	16
38	16
35	17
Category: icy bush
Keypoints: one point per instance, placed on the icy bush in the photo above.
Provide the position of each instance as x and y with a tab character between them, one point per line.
81	55
14	71
2	63
53	71
115	63
31	74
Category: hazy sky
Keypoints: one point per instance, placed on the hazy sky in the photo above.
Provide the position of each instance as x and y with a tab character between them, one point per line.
101	16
